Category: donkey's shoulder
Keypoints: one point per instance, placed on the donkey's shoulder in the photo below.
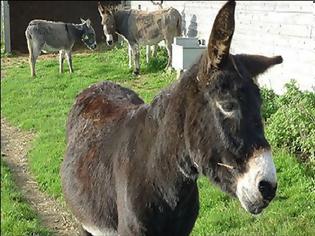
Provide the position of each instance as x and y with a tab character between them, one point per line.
104	102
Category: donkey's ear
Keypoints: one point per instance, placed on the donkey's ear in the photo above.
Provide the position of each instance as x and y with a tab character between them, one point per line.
100	8
82	21
221	35
88	22
256	64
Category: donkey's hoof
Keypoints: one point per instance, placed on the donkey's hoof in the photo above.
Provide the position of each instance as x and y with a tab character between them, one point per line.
136	72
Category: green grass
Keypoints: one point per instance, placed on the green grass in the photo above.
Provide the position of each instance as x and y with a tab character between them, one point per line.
42	105
17	218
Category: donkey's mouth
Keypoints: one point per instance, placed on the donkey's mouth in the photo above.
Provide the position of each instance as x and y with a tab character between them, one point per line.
256	209
92	47
253	208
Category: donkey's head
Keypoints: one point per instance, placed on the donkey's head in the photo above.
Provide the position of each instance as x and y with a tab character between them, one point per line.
88	34
108	23
231	149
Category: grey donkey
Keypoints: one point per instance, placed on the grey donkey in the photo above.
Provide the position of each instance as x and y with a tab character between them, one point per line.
49	36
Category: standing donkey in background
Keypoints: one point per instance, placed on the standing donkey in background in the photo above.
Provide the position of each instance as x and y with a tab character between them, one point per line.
42	35
131	168
141	28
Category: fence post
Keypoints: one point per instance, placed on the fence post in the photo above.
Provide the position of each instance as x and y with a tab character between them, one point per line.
6	21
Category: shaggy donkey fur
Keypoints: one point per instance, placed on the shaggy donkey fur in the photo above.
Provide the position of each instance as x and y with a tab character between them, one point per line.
131	168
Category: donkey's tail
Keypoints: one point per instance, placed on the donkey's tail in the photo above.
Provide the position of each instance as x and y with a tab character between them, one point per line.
179	25
28	41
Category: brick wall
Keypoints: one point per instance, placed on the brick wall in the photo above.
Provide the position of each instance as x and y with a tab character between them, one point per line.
263	27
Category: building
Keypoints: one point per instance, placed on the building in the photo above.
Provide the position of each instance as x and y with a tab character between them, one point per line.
269	28
17	14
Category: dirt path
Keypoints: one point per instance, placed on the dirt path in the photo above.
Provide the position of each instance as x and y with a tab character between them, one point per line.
14	147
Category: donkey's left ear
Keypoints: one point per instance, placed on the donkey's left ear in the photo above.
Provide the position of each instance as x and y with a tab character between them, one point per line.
82	21
221	35
256	64
88	22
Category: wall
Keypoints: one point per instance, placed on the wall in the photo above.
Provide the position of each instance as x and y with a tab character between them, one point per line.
22	12
285	28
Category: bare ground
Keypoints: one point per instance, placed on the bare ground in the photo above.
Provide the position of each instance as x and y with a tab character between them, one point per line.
14	147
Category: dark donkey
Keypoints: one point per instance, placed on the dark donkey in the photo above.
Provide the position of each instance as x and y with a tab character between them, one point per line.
131	168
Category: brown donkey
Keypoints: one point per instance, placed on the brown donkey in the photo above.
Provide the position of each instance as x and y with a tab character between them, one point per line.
131	168
141	28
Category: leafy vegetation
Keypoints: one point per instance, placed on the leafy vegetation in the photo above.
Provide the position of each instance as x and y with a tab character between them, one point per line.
270	102
42	105
17	218
292	121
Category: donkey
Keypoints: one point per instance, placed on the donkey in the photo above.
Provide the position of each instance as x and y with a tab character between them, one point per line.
42	35
131	168
141	28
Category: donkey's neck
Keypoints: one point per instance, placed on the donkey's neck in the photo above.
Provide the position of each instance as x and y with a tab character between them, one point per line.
171	163
121	22
76	30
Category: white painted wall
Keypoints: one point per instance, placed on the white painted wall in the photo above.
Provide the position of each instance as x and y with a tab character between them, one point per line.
285	28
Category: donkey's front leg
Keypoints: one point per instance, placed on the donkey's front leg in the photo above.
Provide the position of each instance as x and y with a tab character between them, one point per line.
61	59
136	54
69	60
130	56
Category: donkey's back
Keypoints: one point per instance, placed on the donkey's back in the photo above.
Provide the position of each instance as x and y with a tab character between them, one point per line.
49	35
152	27
87	170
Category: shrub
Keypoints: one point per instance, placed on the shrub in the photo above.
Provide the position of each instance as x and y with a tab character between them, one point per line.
270	102
293	124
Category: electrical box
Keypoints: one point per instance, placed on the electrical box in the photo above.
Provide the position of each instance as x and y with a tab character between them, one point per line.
186	51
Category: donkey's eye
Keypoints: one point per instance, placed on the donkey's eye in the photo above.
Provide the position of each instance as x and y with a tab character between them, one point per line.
229	106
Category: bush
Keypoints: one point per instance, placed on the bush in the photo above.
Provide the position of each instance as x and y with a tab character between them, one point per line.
293	124
270	102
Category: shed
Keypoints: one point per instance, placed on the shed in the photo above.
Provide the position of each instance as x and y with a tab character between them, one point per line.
268	28
17	14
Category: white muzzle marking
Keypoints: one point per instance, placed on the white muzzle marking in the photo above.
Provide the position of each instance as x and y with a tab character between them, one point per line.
260	168
109	37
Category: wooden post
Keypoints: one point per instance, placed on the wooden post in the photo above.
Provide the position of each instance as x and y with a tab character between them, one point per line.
6	21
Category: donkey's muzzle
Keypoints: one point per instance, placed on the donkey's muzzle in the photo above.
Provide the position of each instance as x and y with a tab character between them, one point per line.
257	186
93	46
110	42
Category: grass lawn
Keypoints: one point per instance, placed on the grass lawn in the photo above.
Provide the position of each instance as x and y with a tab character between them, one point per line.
42	105
17	218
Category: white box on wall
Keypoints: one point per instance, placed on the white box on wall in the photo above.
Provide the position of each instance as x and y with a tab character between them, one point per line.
185	52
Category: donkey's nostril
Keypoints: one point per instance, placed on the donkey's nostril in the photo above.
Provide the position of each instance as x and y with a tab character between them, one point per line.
267	190
109	42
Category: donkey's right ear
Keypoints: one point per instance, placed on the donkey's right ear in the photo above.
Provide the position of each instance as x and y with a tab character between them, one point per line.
100	8
221	35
